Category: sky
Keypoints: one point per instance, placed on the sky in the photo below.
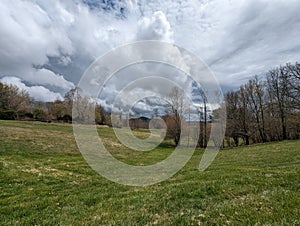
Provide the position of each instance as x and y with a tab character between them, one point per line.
45	46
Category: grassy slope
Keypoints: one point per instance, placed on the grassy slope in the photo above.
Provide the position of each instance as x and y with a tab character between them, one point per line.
45	181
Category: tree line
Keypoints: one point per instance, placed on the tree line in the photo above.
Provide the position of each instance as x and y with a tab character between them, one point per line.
262	110
265	110
16	104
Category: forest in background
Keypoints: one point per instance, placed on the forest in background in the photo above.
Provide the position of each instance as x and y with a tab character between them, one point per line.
262	110
265	110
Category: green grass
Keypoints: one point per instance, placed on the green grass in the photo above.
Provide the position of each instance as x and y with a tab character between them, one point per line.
45	181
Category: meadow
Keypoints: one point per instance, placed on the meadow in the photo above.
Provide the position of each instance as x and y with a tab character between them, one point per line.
45	181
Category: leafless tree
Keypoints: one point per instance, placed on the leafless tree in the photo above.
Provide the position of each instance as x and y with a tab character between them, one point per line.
277	86
255	94
177	108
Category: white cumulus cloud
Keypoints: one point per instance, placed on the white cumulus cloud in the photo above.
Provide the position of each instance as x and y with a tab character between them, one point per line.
39	93
51	43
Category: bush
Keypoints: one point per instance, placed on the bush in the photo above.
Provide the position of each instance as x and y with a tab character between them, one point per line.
8	115
24	115
66	118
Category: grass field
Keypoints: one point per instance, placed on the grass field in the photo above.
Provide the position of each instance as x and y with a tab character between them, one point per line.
45	181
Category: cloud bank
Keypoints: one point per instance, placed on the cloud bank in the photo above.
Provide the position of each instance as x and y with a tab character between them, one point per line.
39	93
47	45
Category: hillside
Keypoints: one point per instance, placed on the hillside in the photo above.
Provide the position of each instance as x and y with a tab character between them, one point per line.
45	181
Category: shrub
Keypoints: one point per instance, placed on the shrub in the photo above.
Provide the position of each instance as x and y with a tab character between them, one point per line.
8	115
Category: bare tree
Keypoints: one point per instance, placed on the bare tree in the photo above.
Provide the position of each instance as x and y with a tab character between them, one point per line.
293	74
58	109
255	94
177	107
277	86
203	120
80	106
231	99
238	117
4	96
